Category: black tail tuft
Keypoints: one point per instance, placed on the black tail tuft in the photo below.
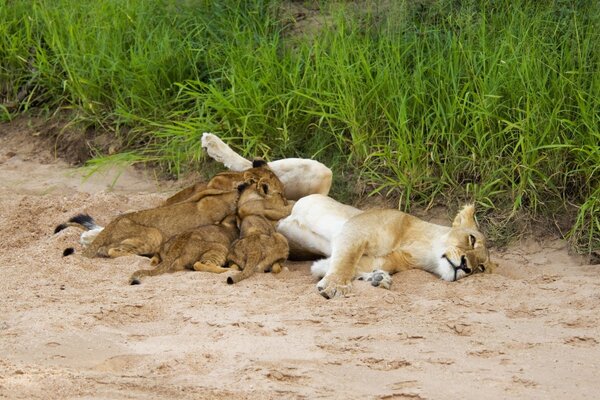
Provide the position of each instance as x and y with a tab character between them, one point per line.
258	162
85	220
68	251
60	228
230	281
135	281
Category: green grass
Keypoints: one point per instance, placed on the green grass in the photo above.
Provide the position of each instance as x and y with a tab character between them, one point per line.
428	102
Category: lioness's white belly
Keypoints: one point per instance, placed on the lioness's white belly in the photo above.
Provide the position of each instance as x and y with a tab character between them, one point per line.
314	222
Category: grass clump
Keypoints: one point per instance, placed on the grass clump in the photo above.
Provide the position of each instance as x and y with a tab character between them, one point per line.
427	101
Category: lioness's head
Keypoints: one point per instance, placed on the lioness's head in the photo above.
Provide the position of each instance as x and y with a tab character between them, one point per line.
466	249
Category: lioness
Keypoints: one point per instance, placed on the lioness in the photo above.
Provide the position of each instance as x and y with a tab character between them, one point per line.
380	241
260	247
143	232
202	249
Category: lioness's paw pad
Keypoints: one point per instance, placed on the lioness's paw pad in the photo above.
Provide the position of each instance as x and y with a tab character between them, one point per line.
377	278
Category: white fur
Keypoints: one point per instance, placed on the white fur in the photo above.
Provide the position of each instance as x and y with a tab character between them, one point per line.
320	267
300	176
314	222
88	237
222	153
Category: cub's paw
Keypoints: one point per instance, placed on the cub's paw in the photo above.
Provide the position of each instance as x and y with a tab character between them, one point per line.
331	286
378	278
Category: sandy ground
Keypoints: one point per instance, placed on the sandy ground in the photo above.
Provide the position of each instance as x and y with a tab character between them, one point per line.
72	328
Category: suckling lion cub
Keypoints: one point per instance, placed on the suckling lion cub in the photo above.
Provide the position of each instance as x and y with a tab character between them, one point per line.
202	249
260	247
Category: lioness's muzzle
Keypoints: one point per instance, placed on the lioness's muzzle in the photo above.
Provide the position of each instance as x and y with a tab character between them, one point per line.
463	266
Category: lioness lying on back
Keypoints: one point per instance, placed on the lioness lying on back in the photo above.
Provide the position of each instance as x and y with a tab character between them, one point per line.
373	244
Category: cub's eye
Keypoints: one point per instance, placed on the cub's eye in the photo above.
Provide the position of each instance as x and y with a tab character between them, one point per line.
481	268
472	240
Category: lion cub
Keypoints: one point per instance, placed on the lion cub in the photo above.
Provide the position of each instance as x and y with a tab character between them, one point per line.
201	249
260	247
143	232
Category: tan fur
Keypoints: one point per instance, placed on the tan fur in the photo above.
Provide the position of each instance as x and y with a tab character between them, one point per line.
143	232
227	180
260	247
202	249
393	241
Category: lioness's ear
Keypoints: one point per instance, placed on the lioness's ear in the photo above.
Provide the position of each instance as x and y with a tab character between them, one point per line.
465	218
258	162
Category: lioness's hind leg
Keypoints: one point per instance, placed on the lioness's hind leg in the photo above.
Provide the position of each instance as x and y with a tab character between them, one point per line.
222	153
377	278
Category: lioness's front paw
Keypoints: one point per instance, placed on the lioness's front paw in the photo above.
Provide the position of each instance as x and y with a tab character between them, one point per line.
331	286
377	278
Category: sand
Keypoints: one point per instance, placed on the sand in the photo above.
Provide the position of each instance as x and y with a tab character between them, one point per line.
72	327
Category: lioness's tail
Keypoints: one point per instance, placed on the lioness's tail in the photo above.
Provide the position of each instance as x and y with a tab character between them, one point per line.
222	153
83	221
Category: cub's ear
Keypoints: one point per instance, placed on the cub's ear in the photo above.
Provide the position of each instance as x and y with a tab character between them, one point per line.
465	218
258	162
242	186
265	189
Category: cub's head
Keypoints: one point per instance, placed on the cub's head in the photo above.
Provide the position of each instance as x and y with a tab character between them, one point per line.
466	249
265	190
260	172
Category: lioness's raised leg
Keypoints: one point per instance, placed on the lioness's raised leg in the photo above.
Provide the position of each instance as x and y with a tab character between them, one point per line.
300	176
